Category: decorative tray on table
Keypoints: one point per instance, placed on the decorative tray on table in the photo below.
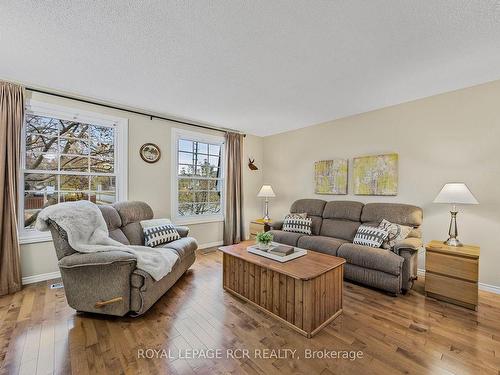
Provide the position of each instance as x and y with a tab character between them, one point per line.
277	252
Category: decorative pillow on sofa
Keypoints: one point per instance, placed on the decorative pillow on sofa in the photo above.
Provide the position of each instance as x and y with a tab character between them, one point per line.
396	233
297	223
370	236
158	232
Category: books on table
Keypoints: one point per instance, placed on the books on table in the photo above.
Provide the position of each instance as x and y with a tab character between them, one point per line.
281	250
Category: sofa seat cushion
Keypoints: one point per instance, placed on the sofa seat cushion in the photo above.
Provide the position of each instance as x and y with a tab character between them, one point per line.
321	244
287	238
372	258
184	247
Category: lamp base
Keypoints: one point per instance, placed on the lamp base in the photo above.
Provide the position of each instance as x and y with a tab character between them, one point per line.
453	242
453	231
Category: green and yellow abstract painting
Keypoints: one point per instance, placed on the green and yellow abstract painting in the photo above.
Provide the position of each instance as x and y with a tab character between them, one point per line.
330	176
376	175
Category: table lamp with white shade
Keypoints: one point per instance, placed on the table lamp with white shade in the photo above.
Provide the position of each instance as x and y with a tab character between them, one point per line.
455	193
266	191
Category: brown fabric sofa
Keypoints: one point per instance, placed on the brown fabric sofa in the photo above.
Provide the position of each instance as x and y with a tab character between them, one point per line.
334	225
93	277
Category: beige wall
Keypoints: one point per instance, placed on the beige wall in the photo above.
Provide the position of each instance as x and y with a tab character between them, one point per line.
449	137
146	182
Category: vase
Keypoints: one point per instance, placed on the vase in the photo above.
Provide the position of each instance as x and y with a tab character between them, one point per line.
263	246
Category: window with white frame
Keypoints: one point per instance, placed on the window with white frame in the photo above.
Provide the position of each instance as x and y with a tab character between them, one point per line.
67	156
198	171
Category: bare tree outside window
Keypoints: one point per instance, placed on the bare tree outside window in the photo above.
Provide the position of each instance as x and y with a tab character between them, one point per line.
200	183
66	161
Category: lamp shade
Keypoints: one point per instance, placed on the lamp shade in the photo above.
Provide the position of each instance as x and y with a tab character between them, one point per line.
455	193
266	191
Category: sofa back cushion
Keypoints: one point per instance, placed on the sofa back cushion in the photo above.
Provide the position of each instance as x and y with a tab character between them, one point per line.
314	209
404	214
341	219
131	214
342	229
114	223
345	210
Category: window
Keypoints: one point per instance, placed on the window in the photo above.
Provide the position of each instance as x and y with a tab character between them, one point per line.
198	183
69	156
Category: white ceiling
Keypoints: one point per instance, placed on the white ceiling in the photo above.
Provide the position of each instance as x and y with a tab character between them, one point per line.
259	66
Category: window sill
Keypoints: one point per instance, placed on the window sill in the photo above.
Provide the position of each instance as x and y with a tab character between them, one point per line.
35	238
197	220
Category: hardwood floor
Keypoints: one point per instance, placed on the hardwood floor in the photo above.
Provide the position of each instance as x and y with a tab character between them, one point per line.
40	334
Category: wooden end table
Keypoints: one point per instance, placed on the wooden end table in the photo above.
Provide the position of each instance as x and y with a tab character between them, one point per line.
257	226
452	273
304	293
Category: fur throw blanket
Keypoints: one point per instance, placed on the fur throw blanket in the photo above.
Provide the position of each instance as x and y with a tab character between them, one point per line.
88	233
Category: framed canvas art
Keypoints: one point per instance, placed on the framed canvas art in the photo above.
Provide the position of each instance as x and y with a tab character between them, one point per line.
376	175
330	176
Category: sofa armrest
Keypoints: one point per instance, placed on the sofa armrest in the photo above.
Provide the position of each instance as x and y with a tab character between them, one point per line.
98	282
182	230
408	250
276	225
411	243
101	258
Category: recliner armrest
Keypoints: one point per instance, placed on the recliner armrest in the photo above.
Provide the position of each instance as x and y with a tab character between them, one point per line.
95	259
182	230
411	243
276	225
98	282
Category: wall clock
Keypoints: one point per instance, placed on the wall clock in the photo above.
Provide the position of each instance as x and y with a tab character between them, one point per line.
150	153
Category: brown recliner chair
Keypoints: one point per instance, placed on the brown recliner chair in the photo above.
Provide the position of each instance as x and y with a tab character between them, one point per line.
109	282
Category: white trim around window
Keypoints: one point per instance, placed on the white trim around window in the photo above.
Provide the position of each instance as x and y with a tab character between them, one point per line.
203	138
120	126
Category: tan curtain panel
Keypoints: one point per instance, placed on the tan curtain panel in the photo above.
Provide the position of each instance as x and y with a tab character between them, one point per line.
233	221
11	123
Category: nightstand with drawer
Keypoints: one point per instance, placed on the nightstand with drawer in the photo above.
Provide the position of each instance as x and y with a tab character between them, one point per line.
452	273
257	226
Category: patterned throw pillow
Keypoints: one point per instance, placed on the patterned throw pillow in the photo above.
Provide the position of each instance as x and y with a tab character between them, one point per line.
159	235
297	223
395	232
370	236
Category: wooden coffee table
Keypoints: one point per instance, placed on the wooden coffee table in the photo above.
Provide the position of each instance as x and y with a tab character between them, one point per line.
303	293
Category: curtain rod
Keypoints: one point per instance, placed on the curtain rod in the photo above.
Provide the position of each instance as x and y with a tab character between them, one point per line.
151	116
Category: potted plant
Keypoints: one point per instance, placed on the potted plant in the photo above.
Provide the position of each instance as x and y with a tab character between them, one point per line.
264	240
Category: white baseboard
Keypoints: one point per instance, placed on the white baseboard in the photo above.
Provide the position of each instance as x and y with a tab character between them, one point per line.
208	245
41	277
482	286
489	288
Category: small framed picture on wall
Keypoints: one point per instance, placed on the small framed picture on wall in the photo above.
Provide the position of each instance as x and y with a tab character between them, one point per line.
150	153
